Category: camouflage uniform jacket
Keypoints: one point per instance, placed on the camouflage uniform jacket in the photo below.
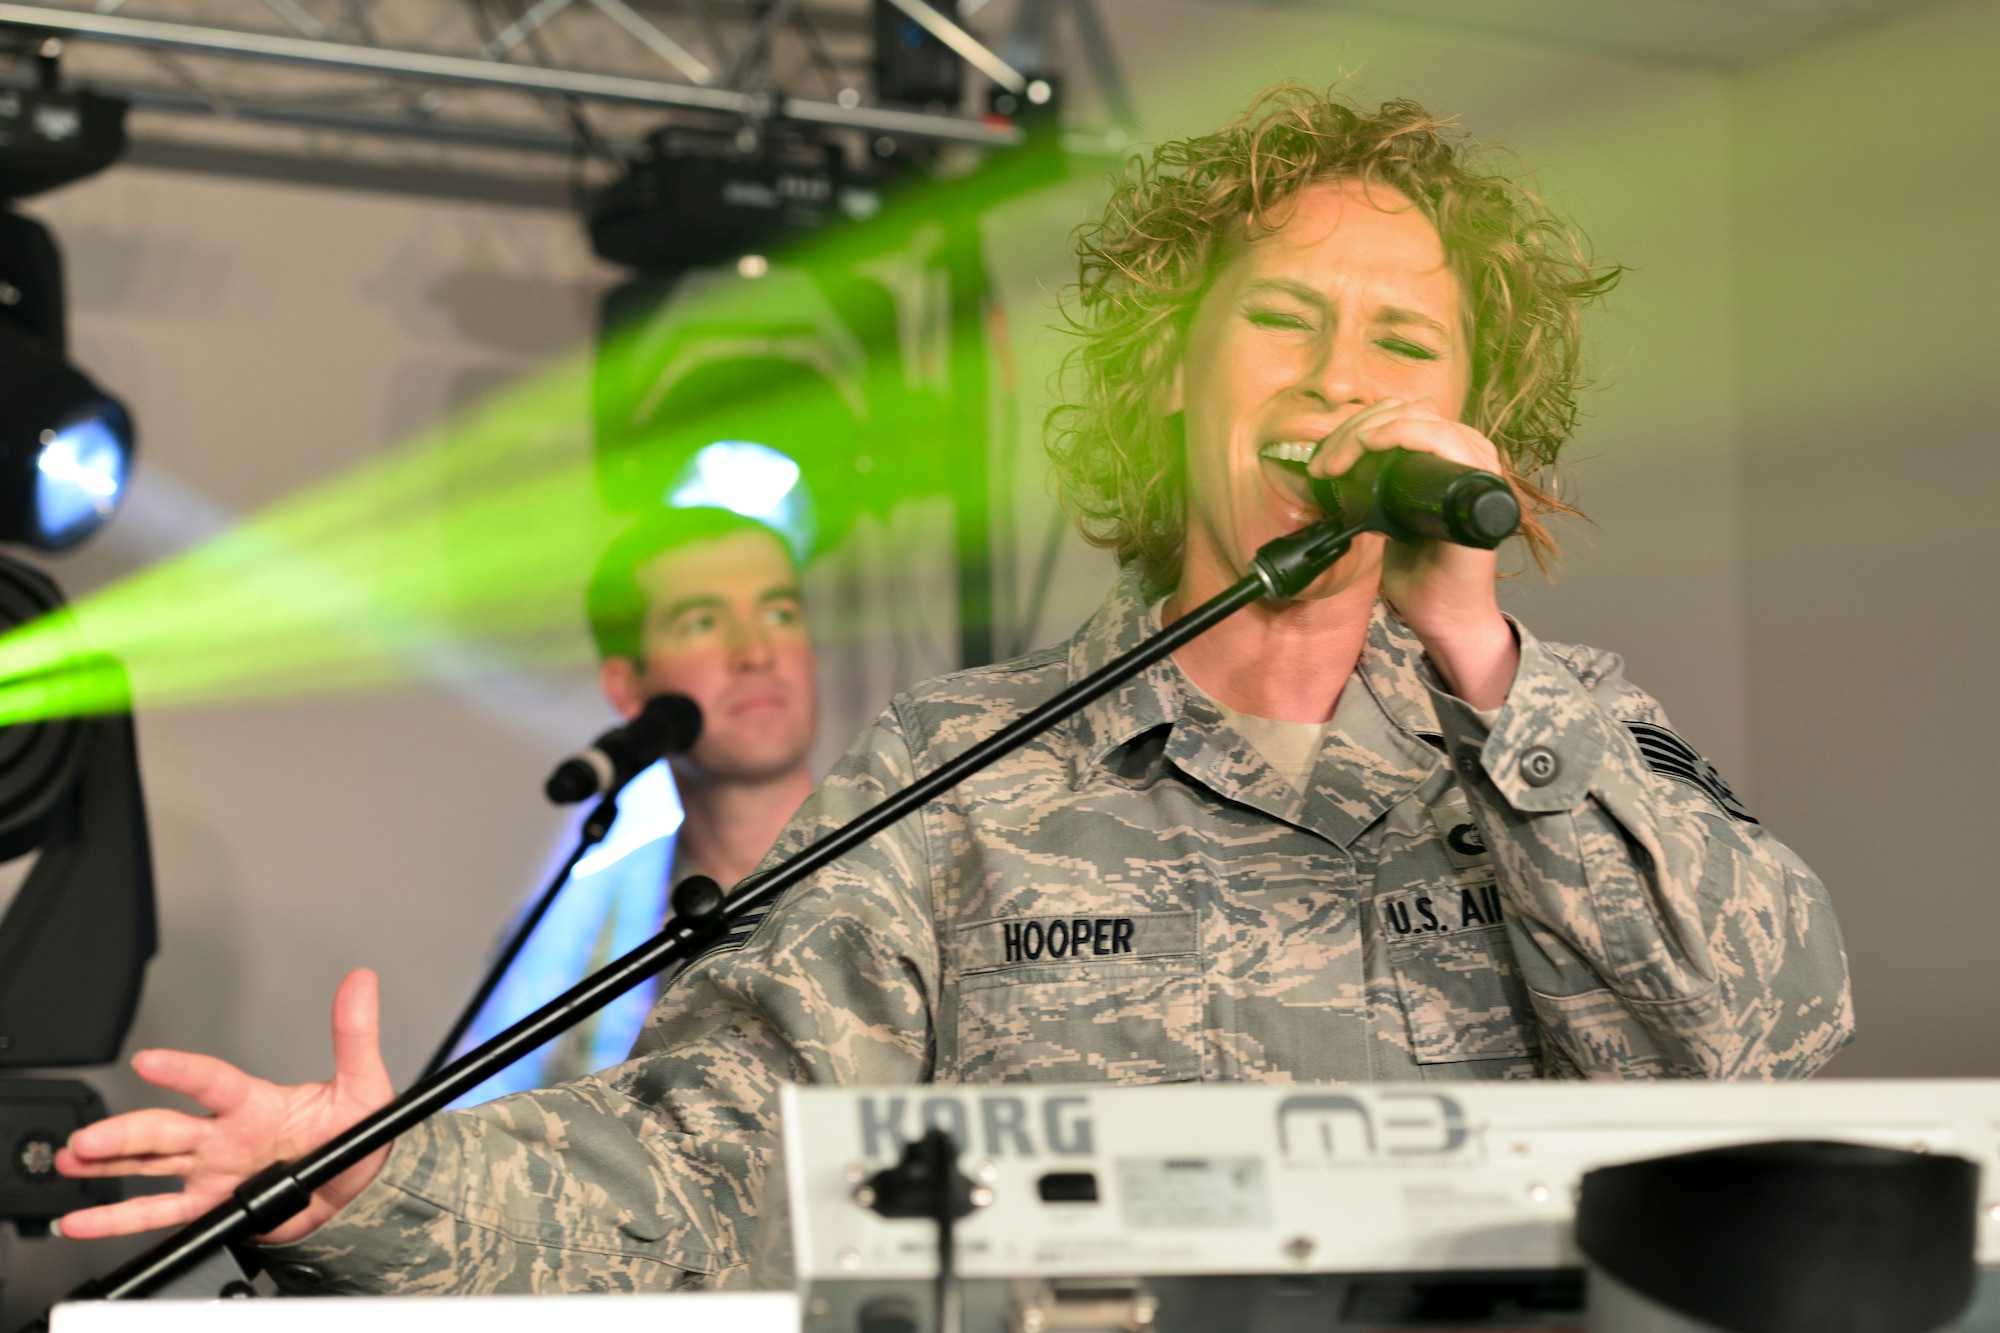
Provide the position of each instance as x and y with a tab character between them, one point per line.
1558	888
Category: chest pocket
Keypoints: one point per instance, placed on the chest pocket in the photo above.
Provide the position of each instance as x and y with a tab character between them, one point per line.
1446	941
1086	998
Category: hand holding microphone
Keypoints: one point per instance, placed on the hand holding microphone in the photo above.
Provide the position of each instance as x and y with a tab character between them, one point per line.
1409	497
667	724
1409	485
1433	486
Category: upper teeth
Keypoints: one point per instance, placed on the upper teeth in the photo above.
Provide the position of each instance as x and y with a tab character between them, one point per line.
1291	451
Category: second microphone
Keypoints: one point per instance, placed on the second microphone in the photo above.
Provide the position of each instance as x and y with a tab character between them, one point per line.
668	724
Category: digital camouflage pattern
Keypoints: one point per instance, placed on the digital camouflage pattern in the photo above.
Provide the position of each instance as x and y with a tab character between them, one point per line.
1137	897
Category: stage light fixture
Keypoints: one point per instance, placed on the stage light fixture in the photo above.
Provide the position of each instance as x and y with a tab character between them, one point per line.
80	474
75	940
65	447
76	937
49	136
912	66
693	198
753	480
65	444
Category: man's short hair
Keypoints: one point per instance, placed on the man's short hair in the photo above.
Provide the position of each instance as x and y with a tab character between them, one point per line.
1177	218
615	602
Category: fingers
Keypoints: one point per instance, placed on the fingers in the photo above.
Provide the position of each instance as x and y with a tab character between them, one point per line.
149	1212
1338	451
1344	447
1395	423
216	1085
82	1168
1433	435
358	1070
135	1136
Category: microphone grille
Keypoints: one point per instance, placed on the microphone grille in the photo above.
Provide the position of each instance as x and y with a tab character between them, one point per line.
676	718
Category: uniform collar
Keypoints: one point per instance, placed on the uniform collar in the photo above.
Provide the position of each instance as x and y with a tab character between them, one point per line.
1374	754
1150	700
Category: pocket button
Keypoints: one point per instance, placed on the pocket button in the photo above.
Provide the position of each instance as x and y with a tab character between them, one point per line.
1539	765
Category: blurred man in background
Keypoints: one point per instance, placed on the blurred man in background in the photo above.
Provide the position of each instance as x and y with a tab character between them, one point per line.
702	603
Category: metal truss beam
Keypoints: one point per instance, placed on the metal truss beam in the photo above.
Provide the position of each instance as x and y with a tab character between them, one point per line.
434	68
468	134
964	45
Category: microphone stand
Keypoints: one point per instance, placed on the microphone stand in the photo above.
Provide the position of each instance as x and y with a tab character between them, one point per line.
1281	569
593	831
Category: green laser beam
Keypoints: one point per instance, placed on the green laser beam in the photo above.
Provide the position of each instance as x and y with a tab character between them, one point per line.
466	549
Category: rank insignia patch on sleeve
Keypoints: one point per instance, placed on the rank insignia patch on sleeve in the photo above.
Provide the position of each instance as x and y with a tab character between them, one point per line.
1671	757
740	930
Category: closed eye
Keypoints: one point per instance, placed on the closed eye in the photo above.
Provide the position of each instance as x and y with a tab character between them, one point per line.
1404	347
1278	319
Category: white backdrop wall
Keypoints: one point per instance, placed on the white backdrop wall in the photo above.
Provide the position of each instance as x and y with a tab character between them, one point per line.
1867	188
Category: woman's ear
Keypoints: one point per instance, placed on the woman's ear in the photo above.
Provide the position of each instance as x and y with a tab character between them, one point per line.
624	688
1176	393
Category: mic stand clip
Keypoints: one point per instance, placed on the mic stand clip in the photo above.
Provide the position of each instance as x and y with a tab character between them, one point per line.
926	1182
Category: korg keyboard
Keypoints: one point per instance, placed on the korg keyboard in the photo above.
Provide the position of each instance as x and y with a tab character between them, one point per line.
1279	1208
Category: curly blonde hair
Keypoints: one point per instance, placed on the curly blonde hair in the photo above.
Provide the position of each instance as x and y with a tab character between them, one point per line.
1176	218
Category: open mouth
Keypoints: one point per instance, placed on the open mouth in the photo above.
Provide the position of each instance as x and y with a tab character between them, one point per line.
1297	452
1287	461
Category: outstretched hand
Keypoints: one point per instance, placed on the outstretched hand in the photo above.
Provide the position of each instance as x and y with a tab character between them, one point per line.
250	1124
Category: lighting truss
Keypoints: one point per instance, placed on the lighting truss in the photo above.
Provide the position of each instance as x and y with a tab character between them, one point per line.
580	77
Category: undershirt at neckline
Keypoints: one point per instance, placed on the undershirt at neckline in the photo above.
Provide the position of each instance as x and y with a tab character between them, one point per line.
1291	748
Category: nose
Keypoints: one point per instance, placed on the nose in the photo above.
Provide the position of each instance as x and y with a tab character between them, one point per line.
1335	375
750	644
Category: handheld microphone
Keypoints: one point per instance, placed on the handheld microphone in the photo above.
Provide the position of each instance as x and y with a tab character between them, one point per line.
667	724
1409	496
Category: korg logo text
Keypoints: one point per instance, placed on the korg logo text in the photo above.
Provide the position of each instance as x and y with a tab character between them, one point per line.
998	1125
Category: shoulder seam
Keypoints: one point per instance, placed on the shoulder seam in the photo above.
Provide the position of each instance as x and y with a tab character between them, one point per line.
1030	661
1572	656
